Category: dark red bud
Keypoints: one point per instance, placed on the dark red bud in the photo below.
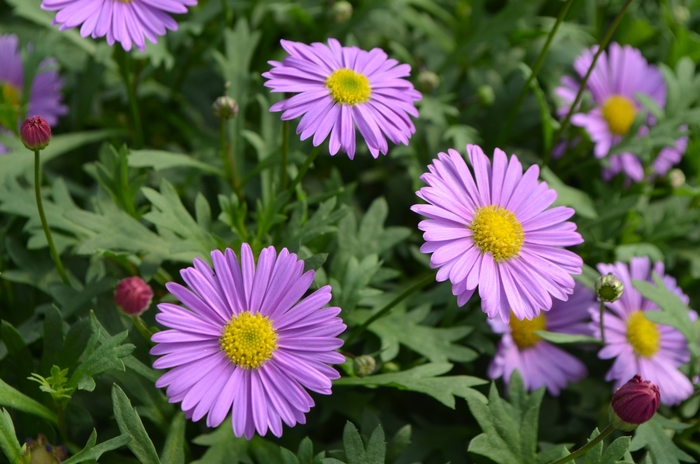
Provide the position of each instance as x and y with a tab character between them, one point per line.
35	133
634	403
133	295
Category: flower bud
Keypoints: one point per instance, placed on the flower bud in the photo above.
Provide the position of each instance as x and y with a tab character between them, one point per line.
390	367
225	107
676	178
634	403
609	288
428	80
364	365
485	95
133	296
40	451
35	133
342	11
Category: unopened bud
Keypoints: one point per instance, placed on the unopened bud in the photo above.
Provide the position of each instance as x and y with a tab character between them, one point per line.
342	11
676	178
35	133
133	296
485	95
609	288
681	14
634	403
40	451
225	107
390	367
428	80
364	365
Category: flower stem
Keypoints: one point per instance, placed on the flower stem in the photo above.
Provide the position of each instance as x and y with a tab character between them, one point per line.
535	71
305	167
127	71
285	155
602	327
228	157
582	87
587	447
47	232
143	328
60	413
427	278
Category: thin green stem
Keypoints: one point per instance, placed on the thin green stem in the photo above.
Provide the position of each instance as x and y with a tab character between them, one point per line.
425	280
60	413
305	167
44	223
128	74
602	327
228	157
143	328
285	155
587	447
533	74
582	87
225	11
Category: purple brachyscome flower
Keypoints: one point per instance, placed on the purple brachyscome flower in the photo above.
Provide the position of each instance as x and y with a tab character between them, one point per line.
540	363
246	343
125	21
343	87
640	346
618	75
497	233
44	94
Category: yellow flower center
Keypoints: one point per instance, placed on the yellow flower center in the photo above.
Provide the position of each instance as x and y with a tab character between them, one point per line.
643	335
348	87
10	95
619	113
249	340
523	332
497	231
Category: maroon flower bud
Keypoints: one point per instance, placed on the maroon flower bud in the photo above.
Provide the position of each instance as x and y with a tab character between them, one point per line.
634	403
35	133
133	295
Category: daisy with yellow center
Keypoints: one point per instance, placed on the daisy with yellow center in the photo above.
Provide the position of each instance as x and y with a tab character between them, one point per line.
639	345
494	230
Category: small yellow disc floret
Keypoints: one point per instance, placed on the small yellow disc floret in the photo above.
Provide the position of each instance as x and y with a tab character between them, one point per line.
643	335
249	340
619	113
523	332
496	230
348	87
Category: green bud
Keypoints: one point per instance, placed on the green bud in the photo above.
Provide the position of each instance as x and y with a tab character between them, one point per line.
485	95
363	365
225	107
609	288
342	11
428	80
390	367
676	178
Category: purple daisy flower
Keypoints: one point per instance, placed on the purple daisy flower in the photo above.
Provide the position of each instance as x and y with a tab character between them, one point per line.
246	343
497	233
539	362
617	76
124	21
341	87
45	93
640	346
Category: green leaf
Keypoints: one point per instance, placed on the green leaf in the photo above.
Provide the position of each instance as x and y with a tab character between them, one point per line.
160	160
16	400
174	448
613	453
652	435
8	438
569	196
92	452
674	312
628	251
355	451
398	443
53	339
424	379
223	447
562	338
108	356
130	424
376	448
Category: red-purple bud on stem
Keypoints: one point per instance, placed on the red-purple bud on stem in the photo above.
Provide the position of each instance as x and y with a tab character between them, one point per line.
35	133
133	295
634	403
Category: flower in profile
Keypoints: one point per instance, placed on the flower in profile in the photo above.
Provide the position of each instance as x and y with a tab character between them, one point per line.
633	404
133	295
343	87
539	362
44	93
129	22
35	133
246	343
497	233
640	346
618	75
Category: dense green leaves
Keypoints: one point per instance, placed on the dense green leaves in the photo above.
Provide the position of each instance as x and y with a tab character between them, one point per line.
654	436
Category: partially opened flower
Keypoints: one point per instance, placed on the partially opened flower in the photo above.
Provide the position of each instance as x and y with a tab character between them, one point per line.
540	363
618	75
44	93
128	22
497	233
343	87
247	343
638	345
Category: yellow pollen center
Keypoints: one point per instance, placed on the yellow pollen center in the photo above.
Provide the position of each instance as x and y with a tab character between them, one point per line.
249	340
348	87
497	231
619	113
10	94
523	332
643	335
